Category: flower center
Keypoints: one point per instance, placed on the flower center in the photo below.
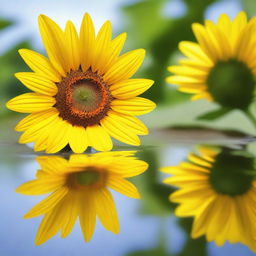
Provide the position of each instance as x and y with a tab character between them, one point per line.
83	98
86	95
231	83
229	174
88	177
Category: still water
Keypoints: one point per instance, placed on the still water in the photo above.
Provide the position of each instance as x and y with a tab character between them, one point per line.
214	174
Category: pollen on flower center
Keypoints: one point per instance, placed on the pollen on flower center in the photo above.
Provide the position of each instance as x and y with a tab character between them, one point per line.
86	95
83	98
231	83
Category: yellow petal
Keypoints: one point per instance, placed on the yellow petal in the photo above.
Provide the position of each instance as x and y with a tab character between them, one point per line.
48	203
40	186
201	36
78	139
193	167
202	95
123	186
58	136
102	45
49	227
246	42
37	83
129	167
130	88
106	210
52	222
125	66
52	164
217	36
189	194
34	118
188	71
87	216
40	64
72	42
79	159
224	23
238	26
180	181
128	123
71	211
190	82
54	41
196	64
190	90
202	220
48	135
30	102
113	52
192	206
43	126
87	42
199	160
194	51
135	106
115	130
99	138
41	140
219	220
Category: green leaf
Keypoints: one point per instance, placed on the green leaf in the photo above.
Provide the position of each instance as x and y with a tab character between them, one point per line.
214	114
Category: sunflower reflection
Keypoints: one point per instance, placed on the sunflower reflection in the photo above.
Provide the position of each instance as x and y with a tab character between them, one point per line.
79	189
217	188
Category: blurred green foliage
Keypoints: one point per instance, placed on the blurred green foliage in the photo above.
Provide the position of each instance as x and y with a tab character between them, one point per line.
149	28
249	6
4	23
10	63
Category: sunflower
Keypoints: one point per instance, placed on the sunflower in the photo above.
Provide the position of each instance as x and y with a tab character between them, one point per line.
221	66
83	92
219	191
79	188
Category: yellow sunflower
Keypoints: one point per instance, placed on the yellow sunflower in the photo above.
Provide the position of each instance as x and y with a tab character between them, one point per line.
79	188
221	66
82	93
218	190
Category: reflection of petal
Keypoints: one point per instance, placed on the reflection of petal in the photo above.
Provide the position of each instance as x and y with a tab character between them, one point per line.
51	223
87	216
79	189
106	210
40	186
48	203
216	190
71	211
123	186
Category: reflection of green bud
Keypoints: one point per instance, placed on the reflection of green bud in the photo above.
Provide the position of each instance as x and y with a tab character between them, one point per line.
231	84
229	174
